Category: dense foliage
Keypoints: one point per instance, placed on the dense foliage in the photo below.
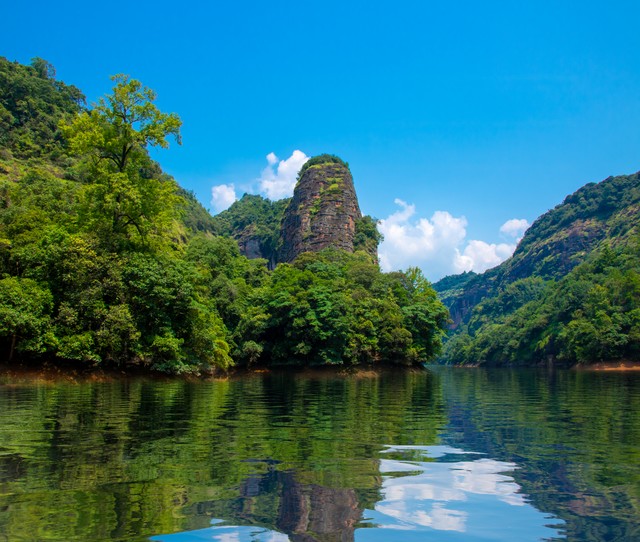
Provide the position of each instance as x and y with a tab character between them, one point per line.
194	216
568	294
334	307
592	314
32	103
105	260
255	219
92	254
367	236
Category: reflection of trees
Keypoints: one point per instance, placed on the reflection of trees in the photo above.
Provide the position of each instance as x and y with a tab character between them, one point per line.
135	458
575	435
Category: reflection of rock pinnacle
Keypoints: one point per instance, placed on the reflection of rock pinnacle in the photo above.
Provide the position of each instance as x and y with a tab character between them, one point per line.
306	512
317	513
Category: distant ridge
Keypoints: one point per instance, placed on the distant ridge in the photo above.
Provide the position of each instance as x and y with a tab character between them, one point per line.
561	244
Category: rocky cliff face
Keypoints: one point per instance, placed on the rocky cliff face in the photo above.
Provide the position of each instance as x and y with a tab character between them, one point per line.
323	212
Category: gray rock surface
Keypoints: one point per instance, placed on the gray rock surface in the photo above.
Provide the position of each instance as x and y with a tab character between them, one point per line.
322	213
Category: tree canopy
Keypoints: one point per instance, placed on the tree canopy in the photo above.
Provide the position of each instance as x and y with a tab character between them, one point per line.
124	197
32	102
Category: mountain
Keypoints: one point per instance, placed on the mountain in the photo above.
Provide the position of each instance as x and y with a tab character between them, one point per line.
566	294
323	212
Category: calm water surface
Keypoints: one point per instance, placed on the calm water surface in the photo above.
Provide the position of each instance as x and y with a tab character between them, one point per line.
446	455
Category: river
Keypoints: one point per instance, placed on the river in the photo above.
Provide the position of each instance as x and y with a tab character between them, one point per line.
443	454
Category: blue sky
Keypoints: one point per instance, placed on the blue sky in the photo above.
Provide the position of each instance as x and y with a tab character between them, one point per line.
455	117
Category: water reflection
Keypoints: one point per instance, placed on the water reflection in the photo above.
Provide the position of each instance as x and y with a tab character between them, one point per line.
275	502
226	533
447	489
303	457
574	435
426	492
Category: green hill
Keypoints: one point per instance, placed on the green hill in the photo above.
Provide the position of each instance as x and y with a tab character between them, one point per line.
106	261
568	294
254	222
32	103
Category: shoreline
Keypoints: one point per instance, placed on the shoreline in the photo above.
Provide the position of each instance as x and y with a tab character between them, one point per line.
51	373
610	366
48	373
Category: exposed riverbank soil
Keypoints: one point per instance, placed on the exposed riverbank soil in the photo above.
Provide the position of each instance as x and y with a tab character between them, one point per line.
611	366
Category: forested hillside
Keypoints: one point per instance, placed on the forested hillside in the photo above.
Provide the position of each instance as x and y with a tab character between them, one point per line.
106	261
254	222
570	293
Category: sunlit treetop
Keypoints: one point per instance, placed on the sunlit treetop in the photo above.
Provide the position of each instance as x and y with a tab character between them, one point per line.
125	121
322	159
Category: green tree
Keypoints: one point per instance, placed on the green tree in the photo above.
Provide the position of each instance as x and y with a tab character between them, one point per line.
334	307
424	316
25	315
590	315
367	236
44	69
125	198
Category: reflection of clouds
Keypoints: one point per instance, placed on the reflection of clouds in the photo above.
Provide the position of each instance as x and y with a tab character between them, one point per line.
225	533
422	491
416	493
438	516
483	478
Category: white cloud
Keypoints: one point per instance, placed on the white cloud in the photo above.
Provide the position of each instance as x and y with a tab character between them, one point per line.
427	243
438	245
272	158
278	179
479	256
222	196
515	227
